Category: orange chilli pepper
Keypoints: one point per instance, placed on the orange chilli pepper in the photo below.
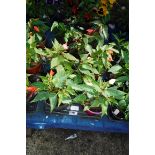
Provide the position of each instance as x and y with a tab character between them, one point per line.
110	52
109	59
52	72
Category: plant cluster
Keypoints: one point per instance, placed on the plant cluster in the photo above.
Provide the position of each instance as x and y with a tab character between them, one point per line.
83	67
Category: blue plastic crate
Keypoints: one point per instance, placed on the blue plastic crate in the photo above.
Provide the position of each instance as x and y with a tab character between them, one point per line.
41	120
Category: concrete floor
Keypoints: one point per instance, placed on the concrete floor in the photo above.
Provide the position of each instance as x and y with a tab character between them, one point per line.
52	142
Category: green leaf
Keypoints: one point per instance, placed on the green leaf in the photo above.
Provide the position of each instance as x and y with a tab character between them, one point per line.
67	101
72	76
78	79
57	47
38	22
59	79
112	92
64	98
104	48
97	22
68	56
115	69
62	26
104	105
70	90
85	40
32	40
54	25
116	51
122	104
45	79
88	48
86	108
80	87
76	87
89	95
89	67
53	100
39	85
95	103
40	52
60	68
87	88
91	82
84	56
105	31
38	37
27	81
104	109
86	72
56	61
125	56
80	98
68	67
122	79
60	95
50	52
41	96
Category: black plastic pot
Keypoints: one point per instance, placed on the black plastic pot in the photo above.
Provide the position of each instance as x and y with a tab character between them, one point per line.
115	113
63	108
45	68
57	109
34	78
49	37
106	76
116	59
30	107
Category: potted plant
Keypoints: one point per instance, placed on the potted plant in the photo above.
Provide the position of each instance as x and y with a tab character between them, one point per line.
54	88
119	111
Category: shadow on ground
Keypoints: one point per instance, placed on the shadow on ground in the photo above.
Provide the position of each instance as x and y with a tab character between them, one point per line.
52	142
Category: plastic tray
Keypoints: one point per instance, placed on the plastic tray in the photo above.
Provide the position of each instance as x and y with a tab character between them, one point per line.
42	120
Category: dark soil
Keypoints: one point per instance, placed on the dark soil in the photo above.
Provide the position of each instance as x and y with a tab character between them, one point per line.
52	142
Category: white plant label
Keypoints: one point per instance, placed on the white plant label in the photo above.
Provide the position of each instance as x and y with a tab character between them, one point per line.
74	108
116	112
73	112
112	81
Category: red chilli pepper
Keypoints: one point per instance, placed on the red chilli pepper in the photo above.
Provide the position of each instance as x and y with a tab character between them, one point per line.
51	72
35	28
90	31
31	89
74	9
